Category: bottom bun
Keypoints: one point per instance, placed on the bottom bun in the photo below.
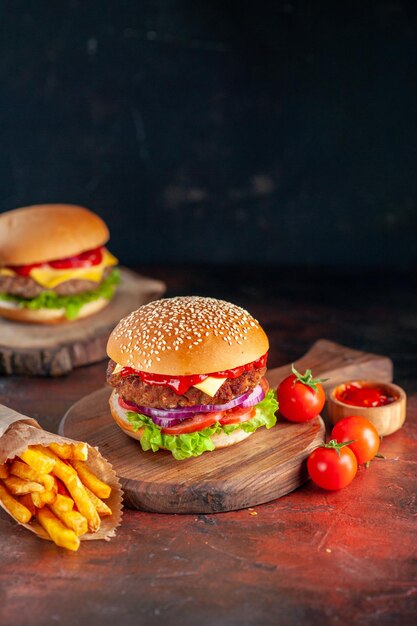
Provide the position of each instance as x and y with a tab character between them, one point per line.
220	440
12	311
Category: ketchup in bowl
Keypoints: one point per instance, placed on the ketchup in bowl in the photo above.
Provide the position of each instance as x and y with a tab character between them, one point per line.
359	394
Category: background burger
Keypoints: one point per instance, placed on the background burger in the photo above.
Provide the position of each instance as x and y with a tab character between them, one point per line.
53	264
188	375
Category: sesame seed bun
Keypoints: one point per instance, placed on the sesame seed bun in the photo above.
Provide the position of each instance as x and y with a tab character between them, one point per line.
12	311
46	232
187	335
220	440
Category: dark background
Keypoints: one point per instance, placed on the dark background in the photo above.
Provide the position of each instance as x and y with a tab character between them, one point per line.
213	131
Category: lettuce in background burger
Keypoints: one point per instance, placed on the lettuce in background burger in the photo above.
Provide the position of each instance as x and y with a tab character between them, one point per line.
188	375
53	264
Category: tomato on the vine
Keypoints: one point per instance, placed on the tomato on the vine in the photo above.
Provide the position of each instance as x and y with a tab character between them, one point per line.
332	466
300	396
362	433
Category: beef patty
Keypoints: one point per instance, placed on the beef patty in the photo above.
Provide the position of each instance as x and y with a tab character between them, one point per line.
132	389
26	287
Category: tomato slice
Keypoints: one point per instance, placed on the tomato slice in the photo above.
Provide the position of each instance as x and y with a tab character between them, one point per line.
200	421
85	259
238	415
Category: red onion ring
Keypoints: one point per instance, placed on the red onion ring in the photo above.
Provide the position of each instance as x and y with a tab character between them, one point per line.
170	417
256	396
185	411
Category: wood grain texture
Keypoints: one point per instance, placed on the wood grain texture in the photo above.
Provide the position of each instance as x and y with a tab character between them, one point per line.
54	350
337	363
267	465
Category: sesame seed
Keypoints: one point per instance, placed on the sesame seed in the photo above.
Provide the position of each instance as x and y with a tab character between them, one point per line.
164	325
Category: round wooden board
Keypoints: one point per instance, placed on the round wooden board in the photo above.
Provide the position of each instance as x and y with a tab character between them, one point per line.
267	465
55	349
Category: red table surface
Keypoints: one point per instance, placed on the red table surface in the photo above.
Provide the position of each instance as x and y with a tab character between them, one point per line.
312	557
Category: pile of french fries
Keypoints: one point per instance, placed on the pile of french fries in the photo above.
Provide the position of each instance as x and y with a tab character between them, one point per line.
53	485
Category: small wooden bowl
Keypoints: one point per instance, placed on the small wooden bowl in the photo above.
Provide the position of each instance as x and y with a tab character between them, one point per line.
387	419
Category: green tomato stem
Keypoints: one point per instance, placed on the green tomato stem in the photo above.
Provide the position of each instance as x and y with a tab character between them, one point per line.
333	444
307	378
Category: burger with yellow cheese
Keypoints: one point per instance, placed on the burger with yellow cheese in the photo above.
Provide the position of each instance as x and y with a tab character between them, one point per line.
54	266
188	375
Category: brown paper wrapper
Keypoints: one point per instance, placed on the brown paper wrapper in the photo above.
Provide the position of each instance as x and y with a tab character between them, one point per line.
18	431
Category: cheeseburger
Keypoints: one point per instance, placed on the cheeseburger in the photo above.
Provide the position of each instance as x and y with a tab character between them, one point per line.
53	264
188	375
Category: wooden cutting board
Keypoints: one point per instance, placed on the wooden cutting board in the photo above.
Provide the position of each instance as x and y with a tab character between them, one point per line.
267	465
55	349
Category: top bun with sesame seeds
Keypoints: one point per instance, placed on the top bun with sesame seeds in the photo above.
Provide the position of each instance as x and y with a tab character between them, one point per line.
187	335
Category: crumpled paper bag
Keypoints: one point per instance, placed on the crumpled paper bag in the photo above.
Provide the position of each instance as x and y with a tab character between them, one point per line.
18	431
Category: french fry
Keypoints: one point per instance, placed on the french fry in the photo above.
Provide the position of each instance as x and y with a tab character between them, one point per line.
69	477
19	487
23	470
80	451
63	503
72	519
90	480
53	485
83	503
37	501
77	451
61	487
60	534
27	501
101	507
18	510
38	460
48	497
63	450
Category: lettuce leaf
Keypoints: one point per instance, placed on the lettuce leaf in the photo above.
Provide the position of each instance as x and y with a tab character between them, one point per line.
72	304
264	416
193	444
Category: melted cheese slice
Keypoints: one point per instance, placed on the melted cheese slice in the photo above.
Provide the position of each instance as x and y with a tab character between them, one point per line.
49	277
210	385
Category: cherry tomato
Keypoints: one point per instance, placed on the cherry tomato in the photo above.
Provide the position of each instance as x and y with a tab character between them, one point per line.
300	396
238	415
198	422
363	433
332	466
